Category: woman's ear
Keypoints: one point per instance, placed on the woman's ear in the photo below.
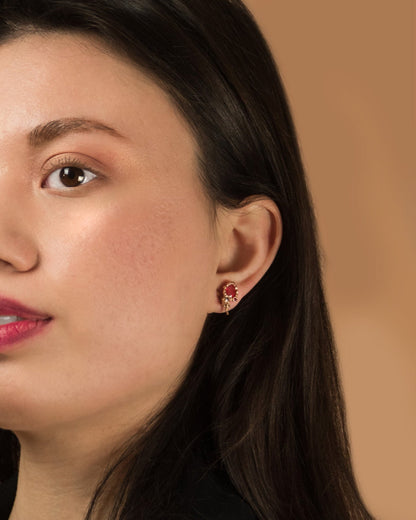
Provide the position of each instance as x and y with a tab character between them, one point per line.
249	238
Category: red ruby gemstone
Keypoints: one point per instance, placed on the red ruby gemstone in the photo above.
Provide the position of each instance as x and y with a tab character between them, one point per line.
231	291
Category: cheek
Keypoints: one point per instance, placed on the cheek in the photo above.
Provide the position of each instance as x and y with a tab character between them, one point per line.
131	286
139	261
111	254
128	258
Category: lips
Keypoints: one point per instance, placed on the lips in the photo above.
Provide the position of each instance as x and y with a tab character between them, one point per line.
10	307
13	333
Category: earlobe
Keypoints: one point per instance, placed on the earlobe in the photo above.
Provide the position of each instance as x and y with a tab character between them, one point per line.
250	238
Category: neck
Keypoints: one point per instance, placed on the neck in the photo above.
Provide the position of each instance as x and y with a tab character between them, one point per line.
58	473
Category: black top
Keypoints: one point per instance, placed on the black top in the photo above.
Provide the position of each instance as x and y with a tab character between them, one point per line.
7	494
215	499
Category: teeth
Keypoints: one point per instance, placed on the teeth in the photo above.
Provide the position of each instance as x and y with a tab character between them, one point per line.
4	320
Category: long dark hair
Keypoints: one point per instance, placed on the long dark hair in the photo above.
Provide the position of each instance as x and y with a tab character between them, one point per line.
262	396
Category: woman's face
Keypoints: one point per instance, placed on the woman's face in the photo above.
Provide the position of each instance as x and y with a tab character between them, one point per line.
122	254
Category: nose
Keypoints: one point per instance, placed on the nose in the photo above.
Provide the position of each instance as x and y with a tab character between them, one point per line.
18	251
18	248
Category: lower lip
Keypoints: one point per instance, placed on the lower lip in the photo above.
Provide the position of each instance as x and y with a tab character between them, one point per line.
14	333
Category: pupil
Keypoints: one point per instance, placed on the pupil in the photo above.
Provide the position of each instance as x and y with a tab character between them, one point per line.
71	176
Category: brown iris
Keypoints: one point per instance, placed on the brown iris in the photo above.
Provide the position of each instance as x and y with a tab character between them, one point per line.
71	176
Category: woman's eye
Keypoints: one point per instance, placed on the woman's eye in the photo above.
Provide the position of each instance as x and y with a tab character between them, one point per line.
69	177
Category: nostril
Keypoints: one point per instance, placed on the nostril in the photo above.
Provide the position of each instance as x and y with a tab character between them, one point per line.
18	253
19	264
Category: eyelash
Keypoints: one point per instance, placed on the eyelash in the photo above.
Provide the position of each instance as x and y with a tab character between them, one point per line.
69	162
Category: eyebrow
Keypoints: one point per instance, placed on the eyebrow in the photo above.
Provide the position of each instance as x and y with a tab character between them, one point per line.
45	133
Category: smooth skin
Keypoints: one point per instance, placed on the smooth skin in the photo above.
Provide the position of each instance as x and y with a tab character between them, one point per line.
128	263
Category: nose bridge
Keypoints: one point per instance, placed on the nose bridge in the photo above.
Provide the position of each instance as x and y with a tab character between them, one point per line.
17	241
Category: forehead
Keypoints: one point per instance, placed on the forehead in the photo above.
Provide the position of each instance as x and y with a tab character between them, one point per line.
57	75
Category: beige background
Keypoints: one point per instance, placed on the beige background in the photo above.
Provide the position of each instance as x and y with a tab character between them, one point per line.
348	67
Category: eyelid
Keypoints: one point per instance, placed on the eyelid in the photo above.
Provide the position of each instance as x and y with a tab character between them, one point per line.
62	161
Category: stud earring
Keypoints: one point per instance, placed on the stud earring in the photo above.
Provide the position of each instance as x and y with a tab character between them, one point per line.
229	294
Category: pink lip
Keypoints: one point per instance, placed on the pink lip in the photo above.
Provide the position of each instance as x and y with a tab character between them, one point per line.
14	308
34	322
17	331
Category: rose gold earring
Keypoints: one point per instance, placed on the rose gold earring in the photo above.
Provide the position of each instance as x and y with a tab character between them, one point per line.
229	294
